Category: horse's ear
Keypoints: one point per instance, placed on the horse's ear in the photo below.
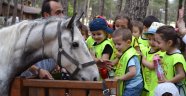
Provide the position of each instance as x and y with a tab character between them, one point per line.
78	20
80	16
71	21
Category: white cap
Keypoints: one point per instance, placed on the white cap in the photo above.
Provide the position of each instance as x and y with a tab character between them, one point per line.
153	28
166	87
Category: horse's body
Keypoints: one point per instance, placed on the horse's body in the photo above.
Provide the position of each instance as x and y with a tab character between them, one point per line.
27	42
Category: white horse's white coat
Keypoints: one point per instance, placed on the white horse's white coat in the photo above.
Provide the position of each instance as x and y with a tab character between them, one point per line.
14	60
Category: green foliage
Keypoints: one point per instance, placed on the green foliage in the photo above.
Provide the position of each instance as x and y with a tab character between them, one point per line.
70	9
156	5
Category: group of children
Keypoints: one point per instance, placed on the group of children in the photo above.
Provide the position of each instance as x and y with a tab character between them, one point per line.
129	48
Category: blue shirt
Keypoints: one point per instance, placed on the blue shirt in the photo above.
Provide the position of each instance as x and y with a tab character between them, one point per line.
133	82
47	64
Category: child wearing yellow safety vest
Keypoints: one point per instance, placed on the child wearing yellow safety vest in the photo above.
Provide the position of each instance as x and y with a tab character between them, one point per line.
148	68
173	62
128	68
102	47
146	24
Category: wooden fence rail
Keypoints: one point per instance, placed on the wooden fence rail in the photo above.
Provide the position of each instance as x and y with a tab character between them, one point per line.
39	87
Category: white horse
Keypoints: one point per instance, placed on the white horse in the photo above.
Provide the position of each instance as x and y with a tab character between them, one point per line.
27	42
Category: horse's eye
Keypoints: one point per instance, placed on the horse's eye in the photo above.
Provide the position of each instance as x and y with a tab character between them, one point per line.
75	44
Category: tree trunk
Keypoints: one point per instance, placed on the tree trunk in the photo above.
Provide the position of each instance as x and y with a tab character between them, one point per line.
74	7
119	6
85	11
1	6
65	6
15	12
166	11
101	7
135	9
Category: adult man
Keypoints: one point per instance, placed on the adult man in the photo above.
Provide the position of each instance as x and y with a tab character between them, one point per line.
44	67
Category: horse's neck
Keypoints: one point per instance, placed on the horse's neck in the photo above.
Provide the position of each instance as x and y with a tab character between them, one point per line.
9	37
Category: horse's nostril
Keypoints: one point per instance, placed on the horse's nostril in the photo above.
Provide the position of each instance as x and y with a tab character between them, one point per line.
95	79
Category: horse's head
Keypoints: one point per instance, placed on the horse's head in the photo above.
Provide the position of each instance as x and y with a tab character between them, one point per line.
73	53
61	40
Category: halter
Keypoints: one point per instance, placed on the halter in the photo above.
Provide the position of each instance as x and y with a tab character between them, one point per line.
64	53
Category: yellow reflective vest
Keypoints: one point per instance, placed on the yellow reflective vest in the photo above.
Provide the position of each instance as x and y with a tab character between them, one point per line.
121	67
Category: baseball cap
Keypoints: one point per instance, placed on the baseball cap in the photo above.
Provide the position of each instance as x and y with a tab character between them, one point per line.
100	24
153	28
166	87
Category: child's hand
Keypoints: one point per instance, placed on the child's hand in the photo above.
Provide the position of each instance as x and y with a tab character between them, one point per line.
117	78
163	79
106	64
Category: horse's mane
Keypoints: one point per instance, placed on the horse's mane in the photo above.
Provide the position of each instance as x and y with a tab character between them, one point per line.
8	38
10	35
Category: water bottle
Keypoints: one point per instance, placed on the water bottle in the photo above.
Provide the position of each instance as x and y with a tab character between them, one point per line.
111	74
158	67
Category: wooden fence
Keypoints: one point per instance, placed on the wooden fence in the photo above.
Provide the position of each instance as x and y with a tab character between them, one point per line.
40	87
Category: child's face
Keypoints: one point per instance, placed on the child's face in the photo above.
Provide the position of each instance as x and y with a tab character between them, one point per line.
135	31
161	44
121	23
120	44
99	35
152	41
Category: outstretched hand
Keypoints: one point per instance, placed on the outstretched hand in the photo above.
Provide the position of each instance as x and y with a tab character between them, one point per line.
104	64
44	74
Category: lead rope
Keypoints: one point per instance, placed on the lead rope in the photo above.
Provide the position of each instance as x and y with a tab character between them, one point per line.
106	91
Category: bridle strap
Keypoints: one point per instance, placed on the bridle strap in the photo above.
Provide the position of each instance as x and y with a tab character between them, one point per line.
79	66
59	43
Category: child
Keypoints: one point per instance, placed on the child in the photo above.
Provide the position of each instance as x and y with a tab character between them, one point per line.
128	67
137	29
173	62
102	47
146	24
90	41
148	69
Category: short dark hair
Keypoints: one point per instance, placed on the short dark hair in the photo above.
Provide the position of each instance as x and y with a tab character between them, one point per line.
149	20
46	7
124	32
